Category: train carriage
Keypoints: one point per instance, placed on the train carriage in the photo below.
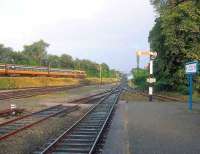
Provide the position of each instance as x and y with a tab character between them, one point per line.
21	70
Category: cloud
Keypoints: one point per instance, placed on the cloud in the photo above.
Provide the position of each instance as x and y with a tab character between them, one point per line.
102	30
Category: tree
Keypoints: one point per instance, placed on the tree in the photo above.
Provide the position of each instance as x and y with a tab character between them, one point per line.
37	51
176	38
36	54
91	68
54	61
66	61
105	70
6	54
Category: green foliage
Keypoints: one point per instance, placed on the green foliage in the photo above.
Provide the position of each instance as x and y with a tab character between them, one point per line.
37	51
197	85
139	78
176	38
53	61
36	54
66	61
183	89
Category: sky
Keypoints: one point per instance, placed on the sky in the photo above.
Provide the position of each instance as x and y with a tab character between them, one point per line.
109	31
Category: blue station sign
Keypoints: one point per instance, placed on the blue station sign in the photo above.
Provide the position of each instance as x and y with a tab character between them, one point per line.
192	67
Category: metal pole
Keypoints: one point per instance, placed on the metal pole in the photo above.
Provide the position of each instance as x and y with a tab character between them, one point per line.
49	68
190	92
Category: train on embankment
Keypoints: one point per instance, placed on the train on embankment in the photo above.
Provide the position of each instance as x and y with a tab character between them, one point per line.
39	71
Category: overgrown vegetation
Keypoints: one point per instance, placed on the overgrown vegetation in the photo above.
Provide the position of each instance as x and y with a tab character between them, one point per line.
139	78
36	54
27	82
176	38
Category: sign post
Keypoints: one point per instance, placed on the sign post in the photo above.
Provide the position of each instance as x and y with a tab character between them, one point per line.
190	92
191	69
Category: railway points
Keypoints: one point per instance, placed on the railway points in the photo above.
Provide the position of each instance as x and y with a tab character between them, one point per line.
73	81
14	126
85	134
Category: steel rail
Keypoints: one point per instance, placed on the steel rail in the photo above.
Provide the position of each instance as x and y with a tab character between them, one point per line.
17	94
73	101
25	116
85	99
26	125
51	146
163	98
103	127
74	125
90	97
157	96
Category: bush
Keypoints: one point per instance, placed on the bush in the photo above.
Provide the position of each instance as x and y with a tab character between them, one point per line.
162	85
197	84
183	89
139	78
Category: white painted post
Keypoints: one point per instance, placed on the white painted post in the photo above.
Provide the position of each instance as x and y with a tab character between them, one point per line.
151	75
151	67
12	108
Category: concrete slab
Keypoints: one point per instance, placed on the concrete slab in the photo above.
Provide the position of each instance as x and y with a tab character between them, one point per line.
154	128
117	139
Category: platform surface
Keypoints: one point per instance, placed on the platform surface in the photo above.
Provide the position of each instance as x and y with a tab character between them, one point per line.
154	128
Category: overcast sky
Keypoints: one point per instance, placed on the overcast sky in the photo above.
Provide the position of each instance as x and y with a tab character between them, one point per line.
100	30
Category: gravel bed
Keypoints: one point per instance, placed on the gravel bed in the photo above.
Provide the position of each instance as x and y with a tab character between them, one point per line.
31	140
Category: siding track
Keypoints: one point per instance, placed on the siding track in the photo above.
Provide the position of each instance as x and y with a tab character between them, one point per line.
29	92
19	124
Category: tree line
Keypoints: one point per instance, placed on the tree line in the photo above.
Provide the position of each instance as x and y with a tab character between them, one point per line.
176	38
36	54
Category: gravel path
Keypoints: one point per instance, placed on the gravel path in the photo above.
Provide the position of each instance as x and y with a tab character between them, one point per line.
155	128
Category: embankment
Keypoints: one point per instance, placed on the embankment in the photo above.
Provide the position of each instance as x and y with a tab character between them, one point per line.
26	82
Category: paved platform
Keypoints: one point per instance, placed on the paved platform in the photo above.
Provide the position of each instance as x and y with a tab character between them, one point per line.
154	128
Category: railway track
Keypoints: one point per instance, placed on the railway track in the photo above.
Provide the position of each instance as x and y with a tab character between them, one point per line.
162	98
167	98
90	98
83	136
157	96
19	124
33	92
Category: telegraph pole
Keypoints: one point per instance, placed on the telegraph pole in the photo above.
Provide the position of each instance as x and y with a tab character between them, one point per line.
138	61
100	74
49	68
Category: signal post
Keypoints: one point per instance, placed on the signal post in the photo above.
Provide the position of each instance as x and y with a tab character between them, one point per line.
151	80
